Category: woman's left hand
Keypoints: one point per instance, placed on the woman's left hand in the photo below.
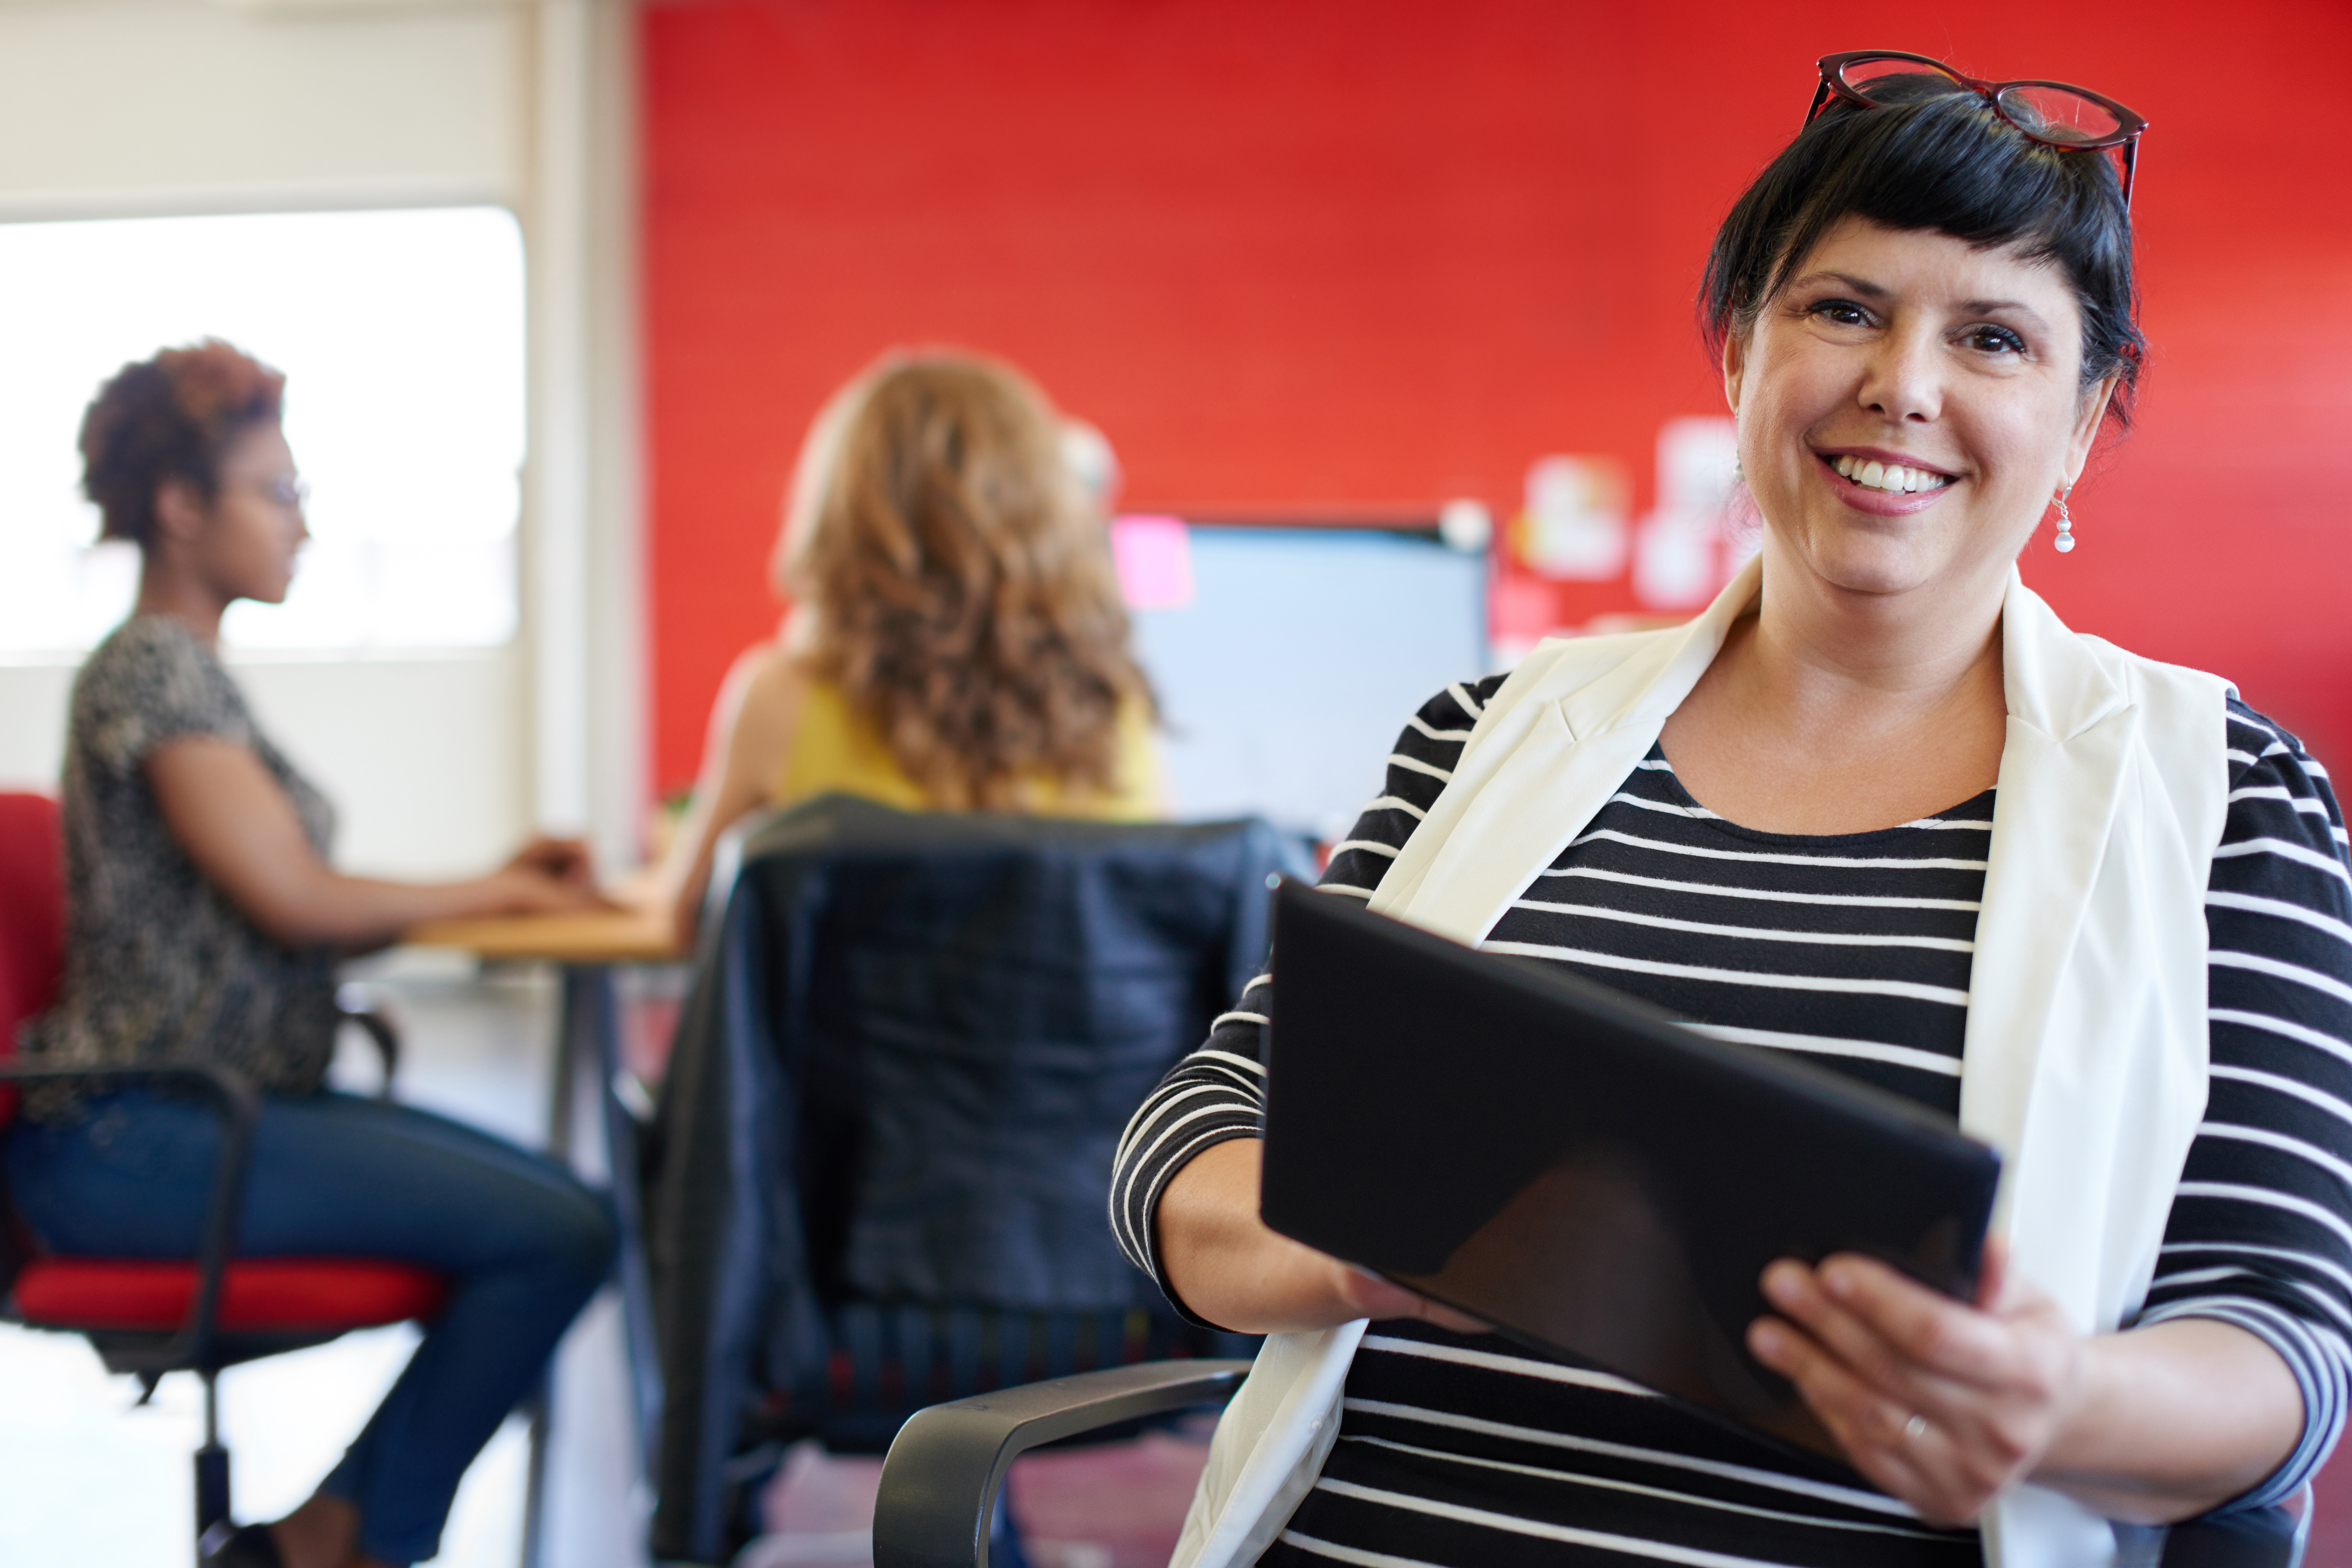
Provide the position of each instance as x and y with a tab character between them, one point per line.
566	860
1939	1403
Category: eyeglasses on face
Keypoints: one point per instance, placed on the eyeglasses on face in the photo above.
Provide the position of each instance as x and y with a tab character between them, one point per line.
282	488
2054	113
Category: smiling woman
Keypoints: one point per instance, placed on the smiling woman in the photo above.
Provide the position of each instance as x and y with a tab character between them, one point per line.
1877	807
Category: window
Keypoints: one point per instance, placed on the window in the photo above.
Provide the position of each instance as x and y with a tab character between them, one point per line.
401	334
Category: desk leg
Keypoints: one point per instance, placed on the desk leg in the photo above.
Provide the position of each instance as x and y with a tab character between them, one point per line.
588	1039
585	993
583	1008
621	1131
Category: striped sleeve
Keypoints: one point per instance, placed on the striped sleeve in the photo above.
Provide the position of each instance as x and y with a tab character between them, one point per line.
2261	1230
1218	1092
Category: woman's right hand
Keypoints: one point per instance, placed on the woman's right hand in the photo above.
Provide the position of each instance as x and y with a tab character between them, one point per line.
1230	1268
547	876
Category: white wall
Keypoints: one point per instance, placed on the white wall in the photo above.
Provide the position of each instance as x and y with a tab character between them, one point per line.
32	726
120	107
109	107
582	564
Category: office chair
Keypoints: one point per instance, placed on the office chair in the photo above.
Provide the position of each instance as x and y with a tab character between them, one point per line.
146	1317
889	1121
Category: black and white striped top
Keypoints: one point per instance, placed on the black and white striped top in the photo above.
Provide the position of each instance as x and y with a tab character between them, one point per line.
1854	950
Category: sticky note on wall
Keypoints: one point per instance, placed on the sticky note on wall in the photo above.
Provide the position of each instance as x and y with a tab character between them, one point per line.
1154	557
1574	525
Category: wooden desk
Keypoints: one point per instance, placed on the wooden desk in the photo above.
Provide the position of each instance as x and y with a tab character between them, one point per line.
639	934
586	948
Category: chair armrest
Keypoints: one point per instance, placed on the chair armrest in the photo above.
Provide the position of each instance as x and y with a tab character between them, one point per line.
358	1007
947	1462
2255	1538
239	1105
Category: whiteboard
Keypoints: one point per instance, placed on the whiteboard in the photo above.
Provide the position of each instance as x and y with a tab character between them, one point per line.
1295	658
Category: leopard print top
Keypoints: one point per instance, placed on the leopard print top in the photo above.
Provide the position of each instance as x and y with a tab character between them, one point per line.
160	966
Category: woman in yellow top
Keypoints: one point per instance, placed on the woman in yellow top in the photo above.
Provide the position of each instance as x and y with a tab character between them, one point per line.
957	641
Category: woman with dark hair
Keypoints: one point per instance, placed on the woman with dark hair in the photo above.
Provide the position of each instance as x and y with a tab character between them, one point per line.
204	922
1879	808
957	641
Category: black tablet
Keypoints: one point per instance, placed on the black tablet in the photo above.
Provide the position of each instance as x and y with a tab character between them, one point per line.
1571	1166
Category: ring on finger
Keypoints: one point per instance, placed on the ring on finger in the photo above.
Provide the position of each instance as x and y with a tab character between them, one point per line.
1915	1429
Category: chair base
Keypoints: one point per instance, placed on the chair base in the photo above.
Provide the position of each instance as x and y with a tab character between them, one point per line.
135	1354
213	1525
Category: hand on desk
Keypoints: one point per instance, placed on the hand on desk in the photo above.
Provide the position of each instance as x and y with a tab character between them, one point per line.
566	921
550	876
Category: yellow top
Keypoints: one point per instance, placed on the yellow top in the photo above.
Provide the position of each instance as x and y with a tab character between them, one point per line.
833	749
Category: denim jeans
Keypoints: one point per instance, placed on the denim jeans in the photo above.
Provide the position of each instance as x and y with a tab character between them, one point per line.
521	1243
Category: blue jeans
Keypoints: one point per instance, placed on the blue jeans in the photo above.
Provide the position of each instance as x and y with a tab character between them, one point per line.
522	1244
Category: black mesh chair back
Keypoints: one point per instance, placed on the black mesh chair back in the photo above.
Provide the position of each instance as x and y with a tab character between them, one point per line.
886	1138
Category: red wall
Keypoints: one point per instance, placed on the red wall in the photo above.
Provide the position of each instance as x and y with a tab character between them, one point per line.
1319	253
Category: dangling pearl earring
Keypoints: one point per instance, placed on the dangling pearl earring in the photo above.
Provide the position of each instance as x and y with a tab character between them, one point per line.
1738	472
2065	539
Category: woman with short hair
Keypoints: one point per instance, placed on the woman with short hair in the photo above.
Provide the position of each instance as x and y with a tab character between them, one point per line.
957	641
205	922
1879	808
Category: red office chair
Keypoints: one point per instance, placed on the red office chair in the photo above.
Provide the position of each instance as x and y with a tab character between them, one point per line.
144	1317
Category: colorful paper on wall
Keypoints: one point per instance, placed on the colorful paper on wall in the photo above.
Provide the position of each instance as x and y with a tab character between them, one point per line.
1686	550
1573	527
1154	558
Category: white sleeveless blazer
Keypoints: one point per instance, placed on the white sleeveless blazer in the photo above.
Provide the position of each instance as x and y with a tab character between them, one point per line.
2084	1056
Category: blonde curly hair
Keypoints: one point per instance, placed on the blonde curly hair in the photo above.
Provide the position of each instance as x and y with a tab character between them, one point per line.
956	586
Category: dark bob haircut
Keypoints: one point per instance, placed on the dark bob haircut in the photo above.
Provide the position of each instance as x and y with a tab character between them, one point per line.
170	417
1939	158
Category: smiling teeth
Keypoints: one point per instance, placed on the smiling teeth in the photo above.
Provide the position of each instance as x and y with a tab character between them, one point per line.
1887	475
